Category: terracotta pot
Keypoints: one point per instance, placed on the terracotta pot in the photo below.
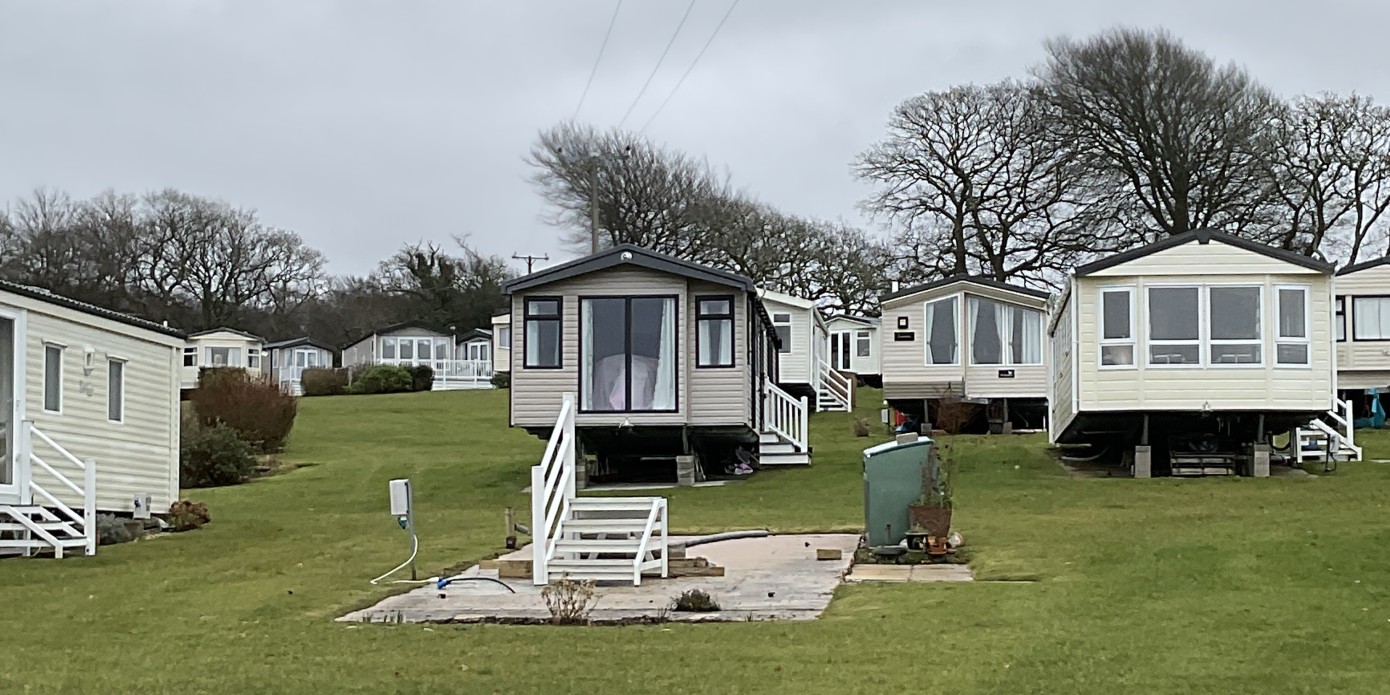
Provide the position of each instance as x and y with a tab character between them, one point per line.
935	521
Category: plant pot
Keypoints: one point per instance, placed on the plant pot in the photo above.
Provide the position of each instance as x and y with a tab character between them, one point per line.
917	541
935	521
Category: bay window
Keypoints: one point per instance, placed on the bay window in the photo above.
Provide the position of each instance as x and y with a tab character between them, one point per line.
627	353
714	331
1117	327
1174	326
541	317
1004	334
1291	343
939	330
1233	324
782	325
1370	318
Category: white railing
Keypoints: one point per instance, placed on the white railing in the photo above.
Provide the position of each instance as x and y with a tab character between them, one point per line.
786	416
1332	442
841	387
1345	420
656	523
552	488
31	491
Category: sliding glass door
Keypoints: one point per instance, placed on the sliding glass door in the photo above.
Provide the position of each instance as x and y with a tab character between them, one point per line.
628	354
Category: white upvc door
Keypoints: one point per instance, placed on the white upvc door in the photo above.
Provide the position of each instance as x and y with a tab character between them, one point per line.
11	404
840	356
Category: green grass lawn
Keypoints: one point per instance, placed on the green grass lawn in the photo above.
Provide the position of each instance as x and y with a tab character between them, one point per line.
1181	586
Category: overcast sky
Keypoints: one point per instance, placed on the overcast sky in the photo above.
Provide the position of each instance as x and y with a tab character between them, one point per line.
366	125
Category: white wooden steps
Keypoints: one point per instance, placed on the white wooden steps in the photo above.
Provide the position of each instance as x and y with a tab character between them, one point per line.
775	450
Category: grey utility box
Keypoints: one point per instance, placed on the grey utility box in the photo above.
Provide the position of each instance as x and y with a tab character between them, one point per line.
892	481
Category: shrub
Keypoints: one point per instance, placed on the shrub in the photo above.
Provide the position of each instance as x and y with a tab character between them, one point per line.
215	376
186	515
111	529
318	381
569	601
383	378
502	380
861	427
211	456
258	410
694	601
421	377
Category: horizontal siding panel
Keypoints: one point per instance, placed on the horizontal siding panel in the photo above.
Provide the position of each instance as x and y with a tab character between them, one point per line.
719	396
1060	397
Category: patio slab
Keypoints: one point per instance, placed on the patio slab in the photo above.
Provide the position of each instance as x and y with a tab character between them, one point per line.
903	574
771	578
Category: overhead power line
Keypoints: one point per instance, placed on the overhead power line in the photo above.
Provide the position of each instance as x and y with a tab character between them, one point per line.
690	69
613	20
657	67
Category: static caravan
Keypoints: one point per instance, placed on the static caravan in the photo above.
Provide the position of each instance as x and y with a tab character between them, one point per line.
855	348
804	363
502	341
91	420
414	343
221	347
962	351
663	358
1361	323
289	358
1190	353
473	355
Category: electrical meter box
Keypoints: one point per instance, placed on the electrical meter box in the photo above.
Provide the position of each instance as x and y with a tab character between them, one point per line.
400	497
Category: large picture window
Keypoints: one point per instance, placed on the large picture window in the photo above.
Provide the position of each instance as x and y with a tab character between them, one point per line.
1174	326
1370	318
1117	327
1292	344
1233	324
627	354
782	325
714	331
939	331
1004	334
542	320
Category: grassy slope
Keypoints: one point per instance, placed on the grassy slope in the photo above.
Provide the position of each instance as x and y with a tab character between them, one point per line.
1146	586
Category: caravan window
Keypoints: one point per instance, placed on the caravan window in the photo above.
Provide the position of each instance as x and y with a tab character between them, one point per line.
1174	326
1370	318
1233	322
1004	334
627	351
1117	327
714	331
115	390
542	320
253	358
1292	344
939	331
53	378
782	325
863	345
504	337
1339	320
190	357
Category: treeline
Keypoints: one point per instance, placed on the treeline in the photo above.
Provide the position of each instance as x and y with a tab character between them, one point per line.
1112	142
202	263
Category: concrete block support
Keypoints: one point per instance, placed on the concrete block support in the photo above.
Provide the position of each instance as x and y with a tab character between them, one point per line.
685	470
1259	465
1143	462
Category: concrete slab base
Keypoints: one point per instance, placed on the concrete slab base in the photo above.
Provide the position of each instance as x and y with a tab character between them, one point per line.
772	578
910	573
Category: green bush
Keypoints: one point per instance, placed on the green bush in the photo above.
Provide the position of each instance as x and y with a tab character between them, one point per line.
258	410
383	378
212	456
694	601
318	381
186	515
502	380
111	530
421	377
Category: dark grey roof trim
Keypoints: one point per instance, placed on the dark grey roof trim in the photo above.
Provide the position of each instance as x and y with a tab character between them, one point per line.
857	319
297	342
224	329
643	258
1364	265
473	334
43	295
1204	236
982	282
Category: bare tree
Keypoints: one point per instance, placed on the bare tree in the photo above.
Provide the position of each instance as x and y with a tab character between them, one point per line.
1175	141
442	288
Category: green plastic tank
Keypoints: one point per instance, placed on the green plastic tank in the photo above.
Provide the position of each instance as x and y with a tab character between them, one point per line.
892	481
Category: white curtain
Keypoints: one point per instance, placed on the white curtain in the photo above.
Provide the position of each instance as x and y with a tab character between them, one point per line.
1004	325
586	365
664	392
926	331
1032	336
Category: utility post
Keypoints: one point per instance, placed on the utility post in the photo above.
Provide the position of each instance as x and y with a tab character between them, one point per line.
593	204
530	260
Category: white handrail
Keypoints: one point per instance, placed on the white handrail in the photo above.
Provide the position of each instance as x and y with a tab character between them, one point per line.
87	490
786	416
839	385
640	556
552	488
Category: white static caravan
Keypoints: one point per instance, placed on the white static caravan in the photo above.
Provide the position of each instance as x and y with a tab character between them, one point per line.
412	343
1192	350
969	340
221	347
92	419
502	341
855	347
1361	322
287	360
474	353
803	361
665	357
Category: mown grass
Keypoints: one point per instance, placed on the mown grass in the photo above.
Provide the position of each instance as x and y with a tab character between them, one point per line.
1181	586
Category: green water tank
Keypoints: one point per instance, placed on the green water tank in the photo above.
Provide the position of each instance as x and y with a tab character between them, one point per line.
892	481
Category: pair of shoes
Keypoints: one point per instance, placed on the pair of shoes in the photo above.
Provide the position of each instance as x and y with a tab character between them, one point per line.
743	469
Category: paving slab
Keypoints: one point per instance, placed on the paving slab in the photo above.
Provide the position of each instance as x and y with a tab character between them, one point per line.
770	578
909	573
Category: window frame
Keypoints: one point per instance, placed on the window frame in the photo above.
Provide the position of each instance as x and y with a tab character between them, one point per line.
190	351
1200	341
790	323
1006	343
958	307
868	341
1209	342
504	337
62	350
1339	317
253	355
729	317
1132	341
110	400
1307	340
1353	338
558	317
627	351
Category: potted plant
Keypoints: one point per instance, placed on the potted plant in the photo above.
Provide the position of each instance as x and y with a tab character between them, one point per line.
932	512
